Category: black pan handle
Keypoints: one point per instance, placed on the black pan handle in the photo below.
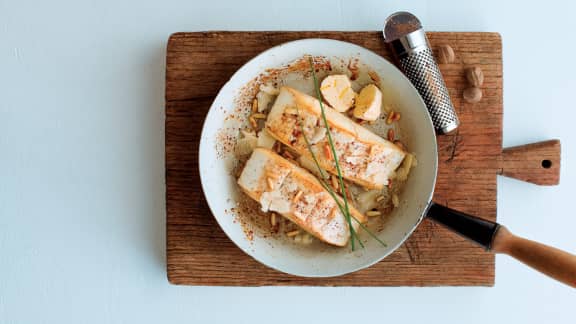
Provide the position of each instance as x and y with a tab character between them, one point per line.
473	228
553	262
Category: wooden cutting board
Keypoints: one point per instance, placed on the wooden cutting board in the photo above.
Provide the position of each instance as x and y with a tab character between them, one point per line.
199	253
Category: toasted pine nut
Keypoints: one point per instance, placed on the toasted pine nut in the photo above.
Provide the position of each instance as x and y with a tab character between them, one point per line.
391	134
288	155
270	183
253	122
272	175
390	118
259	116
372	149
255	105
327	151
372	213
395	200
334	182
273	221
293	233
334	212
298	195
277	147
396	116
348	194
380	198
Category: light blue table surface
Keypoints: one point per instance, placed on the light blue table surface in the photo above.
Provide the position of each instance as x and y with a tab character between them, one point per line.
82	207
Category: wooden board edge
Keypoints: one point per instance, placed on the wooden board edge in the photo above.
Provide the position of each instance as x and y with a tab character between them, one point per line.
176	280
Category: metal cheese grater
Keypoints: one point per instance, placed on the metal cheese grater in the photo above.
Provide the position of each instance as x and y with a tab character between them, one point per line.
405	35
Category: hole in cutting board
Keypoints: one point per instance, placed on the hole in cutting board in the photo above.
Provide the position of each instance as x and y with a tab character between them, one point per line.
546	164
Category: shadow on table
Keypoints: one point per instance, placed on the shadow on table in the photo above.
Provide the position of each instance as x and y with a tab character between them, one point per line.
152	152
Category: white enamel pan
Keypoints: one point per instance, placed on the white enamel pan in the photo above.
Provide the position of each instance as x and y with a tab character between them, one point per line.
221	191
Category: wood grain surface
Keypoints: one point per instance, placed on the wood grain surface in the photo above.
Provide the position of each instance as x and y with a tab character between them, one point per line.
537	163
199	253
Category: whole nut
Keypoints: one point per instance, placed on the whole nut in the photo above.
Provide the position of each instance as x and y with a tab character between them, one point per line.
475	76
472	95
445	54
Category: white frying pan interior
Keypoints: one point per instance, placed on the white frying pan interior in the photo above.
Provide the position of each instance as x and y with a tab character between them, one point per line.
220	186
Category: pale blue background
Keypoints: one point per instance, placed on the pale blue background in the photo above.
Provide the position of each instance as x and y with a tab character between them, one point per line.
82	163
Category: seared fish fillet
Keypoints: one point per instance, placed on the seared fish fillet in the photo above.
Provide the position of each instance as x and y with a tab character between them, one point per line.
281	186
364	157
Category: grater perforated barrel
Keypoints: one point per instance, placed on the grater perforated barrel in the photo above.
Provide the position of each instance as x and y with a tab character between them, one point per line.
405	35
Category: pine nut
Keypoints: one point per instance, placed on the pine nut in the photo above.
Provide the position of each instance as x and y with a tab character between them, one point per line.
327	151
293	233
372	213
270	183
255	105
272	175
390	118
395	200
288	155
372	149
391	134
348	194
253	122
334	182
298	195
